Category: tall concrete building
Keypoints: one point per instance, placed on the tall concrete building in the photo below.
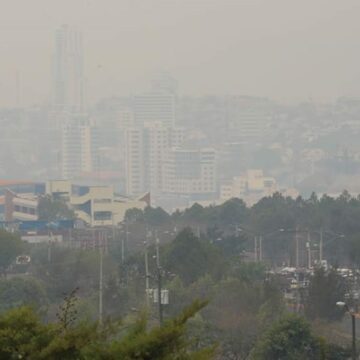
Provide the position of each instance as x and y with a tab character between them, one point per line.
79	147
247	118
134	160
68	71
146	149
248	125
154	107
190	172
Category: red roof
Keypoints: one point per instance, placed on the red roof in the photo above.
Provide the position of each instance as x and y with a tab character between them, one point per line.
14	182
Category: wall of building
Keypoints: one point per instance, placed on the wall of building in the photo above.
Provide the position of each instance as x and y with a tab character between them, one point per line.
187	172
95	205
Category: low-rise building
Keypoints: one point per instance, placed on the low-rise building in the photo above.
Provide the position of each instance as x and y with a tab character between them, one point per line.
252	186
95	205
20	207
190	172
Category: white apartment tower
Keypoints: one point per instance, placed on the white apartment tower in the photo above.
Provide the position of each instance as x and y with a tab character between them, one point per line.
248	125
154	107
79	145
146	150
68	71
134	160
248	118
190	172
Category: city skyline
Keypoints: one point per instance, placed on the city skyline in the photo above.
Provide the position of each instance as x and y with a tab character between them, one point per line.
126	42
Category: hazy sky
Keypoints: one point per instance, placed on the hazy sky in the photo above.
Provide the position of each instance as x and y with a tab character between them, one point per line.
284	49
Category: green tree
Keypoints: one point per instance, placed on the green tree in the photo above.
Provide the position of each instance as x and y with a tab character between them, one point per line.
354	249
290	338
68	268
21	291
134	215
24	336
51	209
156	216
10	247
196	214
274	307
190	257
325	289
232	212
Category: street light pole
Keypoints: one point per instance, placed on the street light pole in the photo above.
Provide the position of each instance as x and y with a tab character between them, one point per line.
159	297
297	262
321	246
159	281
258	240
101	244
146	274
309	249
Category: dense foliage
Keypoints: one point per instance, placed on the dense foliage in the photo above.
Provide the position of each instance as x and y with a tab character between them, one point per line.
51	209
24	336
10	247
276	218
207	253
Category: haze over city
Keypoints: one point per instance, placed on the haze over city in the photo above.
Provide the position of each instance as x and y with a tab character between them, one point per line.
179	179
283	50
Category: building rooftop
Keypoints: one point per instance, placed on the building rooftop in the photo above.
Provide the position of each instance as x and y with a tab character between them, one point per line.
14	182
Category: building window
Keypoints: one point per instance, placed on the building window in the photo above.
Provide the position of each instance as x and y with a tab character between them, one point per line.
102	215
102	201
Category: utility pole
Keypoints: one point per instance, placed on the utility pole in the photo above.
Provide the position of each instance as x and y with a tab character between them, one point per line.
147	275
101	238
298	297
157	251
159	298
309	249
113	226
113	231
297	247
260	248
70	237
49	246
159	281
49	252
321	246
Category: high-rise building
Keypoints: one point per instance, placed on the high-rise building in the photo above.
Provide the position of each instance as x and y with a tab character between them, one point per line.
248	125
79	146
190	172
125	118
247	118
68	71
134	160
146	149
154	107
